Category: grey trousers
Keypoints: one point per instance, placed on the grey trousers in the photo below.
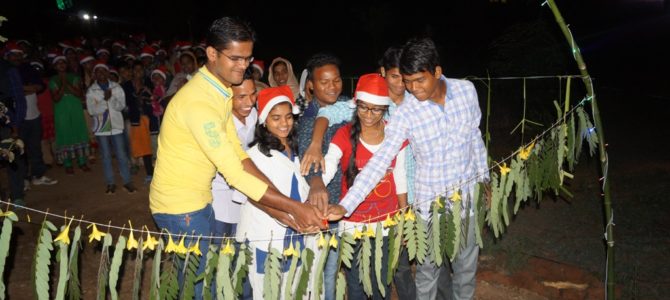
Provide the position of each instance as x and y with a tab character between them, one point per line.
461	284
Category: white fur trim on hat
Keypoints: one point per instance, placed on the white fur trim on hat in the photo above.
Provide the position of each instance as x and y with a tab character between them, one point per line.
262	115
373	99
86	59
144	54
57	58
100	65
257	67
159	72
103	50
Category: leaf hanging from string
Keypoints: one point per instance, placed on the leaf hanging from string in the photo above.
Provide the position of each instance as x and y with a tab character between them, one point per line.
117	259
103	268
42	260
73	287
5	237
307	258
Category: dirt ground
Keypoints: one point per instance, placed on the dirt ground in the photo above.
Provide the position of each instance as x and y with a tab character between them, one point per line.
552	250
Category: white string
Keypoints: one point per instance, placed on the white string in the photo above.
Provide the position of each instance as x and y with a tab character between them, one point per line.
462	184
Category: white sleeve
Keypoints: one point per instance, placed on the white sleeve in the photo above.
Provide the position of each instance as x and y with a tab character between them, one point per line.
332	159
400	173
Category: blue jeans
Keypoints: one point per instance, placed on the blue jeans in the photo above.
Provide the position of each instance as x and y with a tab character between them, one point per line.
118	142
199	222
331	269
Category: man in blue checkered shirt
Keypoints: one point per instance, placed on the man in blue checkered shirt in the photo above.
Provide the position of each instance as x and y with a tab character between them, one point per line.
440	116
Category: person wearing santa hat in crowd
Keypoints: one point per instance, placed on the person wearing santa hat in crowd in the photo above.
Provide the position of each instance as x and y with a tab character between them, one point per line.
114	75
143	124
259	69
30	129
87	62
13	98
187	66
159	99
147	59
105	100
274	151
281	73
72	138
350	149
45	104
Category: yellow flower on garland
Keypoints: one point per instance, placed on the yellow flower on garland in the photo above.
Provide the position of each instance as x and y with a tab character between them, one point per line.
333	241
132	242
504	169
171	246
439	203
228	250
388	222
370	232
195	248
357	234
455	197
322	241
525	152
410	216
7	213
150	243
398	216
95	233
181	248
64	236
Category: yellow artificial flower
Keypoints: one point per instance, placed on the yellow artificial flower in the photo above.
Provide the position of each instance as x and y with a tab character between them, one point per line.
228	250
95	234
388	222
455	197
410	216
322	241
64	235
181	248
504	169
150	243
439	203
525	152
171	246
7	213
357	234
398	216
195	248
333	241
132	242
370	232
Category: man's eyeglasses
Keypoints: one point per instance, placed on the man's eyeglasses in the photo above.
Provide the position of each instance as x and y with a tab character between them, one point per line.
363	109
239	59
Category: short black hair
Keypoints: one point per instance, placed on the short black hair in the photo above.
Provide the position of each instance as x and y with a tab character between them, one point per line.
248	75
419	55
225	30
319	60
391	58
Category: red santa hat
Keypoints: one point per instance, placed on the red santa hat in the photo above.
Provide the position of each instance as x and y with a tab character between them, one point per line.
128	56
120	44
101	51
65	45
37	64
182	45
113	71
56	56
100	64
372	88
269	97
53	52
161	51
156	44
84	58
78	44
23	42
12	47
259	65
161	70
147	51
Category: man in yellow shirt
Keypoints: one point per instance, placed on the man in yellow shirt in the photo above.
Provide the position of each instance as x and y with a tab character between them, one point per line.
198	138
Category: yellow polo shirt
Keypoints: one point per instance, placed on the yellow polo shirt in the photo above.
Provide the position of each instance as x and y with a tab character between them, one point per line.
197	138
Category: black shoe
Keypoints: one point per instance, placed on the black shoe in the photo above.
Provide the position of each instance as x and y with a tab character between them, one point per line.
111	189
129	187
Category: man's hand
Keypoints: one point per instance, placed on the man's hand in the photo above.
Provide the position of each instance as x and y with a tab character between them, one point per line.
108	94
306	216
313	157
336	212
318	194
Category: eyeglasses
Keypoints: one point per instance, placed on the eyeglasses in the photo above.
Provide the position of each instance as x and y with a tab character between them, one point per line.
238	59
363	109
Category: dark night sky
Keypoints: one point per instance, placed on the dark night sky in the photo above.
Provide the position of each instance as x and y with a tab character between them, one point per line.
617	37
